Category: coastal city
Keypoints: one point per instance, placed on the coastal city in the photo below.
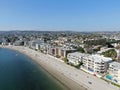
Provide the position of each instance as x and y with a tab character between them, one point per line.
59	44
91	59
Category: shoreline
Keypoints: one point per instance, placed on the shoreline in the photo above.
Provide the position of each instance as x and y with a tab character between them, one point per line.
68	83
67	75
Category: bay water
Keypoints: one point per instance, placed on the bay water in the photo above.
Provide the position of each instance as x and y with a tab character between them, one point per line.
19	72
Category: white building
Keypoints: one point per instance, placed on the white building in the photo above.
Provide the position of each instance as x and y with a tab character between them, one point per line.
96	64
114	72
75	58
35	44
104	50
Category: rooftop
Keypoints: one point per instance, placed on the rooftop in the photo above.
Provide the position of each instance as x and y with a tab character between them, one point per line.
66	48
99	58
104	50
78	54
115	65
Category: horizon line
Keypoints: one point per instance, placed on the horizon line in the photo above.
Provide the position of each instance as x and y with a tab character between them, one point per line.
57	30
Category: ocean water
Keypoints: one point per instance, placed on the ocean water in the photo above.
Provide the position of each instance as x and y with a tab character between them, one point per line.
18	72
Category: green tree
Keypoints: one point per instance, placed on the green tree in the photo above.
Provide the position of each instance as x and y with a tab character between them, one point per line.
65	60
110	53
80	49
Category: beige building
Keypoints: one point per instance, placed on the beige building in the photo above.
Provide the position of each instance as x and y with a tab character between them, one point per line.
60	51
63	51
51	50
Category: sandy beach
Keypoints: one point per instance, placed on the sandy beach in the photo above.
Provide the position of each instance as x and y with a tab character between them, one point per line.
72	78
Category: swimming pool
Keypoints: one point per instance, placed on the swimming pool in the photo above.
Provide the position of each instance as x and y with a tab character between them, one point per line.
109	77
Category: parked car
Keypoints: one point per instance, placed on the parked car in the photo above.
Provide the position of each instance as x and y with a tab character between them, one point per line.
90	82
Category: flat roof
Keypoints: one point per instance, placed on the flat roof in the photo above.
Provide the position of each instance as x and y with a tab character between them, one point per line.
78	54
104	50
66	48
93	57
99	58
115	64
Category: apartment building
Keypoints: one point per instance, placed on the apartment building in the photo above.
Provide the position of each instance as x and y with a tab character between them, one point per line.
96	64
51	50
75	58
60	51
114	72
63	51
35	44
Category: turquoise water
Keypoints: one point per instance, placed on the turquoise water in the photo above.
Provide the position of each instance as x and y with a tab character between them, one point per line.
18	72
109	77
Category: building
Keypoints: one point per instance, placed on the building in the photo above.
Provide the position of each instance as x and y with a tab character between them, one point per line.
19	43
35	44
114	72
75	58
104	50
43	47
60	51
51	50
4	41
96	64
63	51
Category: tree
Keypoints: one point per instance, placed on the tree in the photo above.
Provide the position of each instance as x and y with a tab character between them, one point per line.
80	49
65	59
96	42
110	53
109	45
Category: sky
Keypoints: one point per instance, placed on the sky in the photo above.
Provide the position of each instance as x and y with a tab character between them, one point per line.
57	15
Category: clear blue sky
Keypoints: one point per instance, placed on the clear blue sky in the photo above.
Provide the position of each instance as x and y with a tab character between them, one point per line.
79	15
